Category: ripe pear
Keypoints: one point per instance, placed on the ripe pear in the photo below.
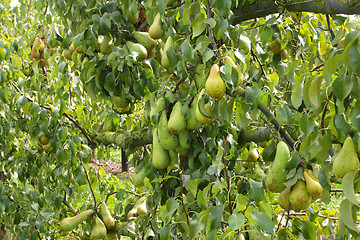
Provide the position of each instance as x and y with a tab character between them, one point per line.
275	46
177	121
68	224
245	44
277	175
347	159
144	39
137	48
35	50
284	199
207	108
253	155
138	178
164	58
215	85
160	158
299	197
131	214
140	206
313	187
43	139
229	61
105	45
99	231
132	14
106	217
168	140
155	30
192	123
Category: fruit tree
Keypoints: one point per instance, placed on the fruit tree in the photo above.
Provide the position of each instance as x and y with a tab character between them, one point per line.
241	119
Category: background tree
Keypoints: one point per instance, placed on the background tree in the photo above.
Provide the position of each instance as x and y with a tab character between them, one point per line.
241	118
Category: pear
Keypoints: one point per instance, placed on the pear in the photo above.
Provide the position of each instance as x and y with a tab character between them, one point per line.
284	199
284	54
164	58
138	178
131	214
346	160
140	206
120	102
277	175
105	45
192	123
35	50
43	139
253	155
244	44
68	224
230	62
71	48
80	49
106	217
160	158
184	144
215	85
204	119
132	13
177	121
99	231
168	140
67	54
137	48
144	39
313	187
174	157
159	106
275	46
299	197
155	30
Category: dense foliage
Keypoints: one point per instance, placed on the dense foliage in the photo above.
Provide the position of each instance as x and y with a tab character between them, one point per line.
76	87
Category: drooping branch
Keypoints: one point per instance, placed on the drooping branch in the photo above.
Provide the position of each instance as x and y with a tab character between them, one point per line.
266	7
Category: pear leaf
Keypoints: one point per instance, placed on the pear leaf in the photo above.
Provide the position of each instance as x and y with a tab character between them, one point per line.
308	230
346	215
347	186
263	221
236	221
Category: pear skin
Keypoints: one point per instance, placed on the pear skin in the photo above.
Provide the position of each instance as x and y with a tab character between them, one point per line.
141	206
207	107
174	157
160	156
299	197
230	62
164	58
138	178
99	230
159	106
192	123
68	224
139	49
284	199
144	39
253	155
35	50
275	46
105	45
245	44
106	217
168	140
155	30
313	187
177	122
347	159
277	175
215	85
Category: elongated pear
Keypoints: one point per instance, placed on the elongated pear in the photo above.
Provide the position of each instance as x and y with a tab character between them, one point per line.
137	48
68	224
35	50
215	85
277	175
138	178
184	143
155	30
203	117
313	187
347	159
168	140
245	44
229	61
177	121
144	39
140	206
99	230
105	45
164	58
192	123
106	217
284	199
299	197
174	157
160	157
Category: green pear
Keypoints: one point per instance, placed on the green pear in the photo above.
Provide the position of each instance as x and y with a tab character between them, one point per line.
230	62
244	44
275	46
299	197
284	199
99	230
313	187
206	117
253	155
132	14
43	139
159	106
138	178
177	121
106	217
35	49
164	58
184	143
215	85
68	224
67	54
155	30
120	102
144	39
277	175
137	48
160	158
347	159
71	48
174	157
168	140
131	214
192	123
105	45
140	206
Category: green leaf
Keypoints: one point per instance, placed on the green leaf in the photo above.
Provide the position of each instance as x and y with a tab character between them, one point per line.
297	92
236	221
253	95
355	116
286	113
354	57
309	230
290	71
196	225
167	210
104	24
4	95
216	216
263	221
347	185
224	7
256	190
307	124
342	87
341	124
165	232
346	215
186	50
220	28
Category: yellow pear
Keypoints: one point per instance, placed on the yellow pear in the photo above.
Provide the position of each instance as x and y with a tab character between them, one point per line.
71	48
68	224
140	206
347	159
35	50
155	30
206	118
106	217
230	62
99	231
253	155
313	187
215	85
43	139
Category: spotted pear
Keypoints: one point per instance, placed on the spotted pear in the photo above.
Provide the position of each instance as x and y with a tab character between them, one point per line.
284	199
347	159
160	157
168	140
277	175
99	230
204	116
230	62
192	123
68	224
313	187
299	197
155	30
215	85
177	121
106	217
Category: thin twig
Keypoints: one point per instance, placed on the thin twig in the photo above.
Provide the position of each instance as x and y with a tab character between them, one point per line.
330	29
87	177
261	65
322	123
227	177
182	200
211	33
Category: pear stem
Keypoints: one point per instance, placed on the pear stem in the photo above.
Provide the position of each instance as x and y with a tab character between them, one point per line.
87	177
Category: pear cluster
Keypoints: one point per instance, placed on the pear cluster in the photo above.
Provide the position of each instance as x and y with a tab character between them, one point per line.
37	52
